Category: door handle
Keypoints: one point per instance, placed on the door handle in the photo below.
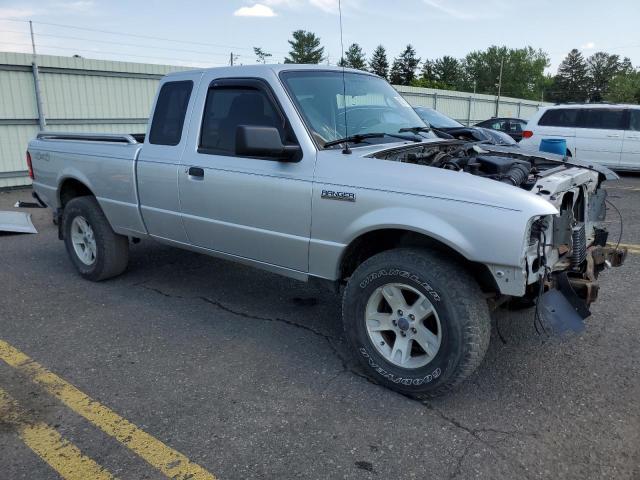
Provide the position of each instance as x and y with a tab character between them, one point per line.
613	135
196	172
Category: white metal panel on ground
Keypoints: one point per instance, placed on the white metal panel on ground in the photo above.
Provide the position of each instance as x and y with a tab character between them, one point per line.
18	222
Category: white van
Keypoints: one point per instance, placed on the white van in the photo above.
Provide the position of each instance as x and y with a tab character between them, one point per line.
608	134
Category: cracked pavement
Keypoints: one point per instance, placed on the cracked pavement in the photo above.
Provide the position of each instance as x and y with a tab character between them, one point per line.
248	374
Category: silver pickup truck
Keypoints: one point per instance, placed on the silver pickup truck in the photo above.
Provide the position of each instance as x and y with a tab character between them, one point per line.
320	173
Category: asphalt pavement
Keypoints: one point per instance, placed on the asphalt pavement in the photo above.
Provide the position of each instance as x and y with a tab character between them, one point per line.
189	362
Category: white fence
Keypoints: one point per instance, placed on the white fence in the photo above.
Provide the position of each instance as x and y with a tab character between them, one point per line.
469	108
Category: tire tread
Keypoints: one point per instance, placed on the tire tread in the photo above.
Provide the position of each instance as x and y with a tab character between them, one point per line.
471	308
113	249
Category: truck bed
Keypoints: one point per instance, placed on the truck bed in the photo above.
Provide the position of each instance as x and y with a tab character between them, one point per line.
105	163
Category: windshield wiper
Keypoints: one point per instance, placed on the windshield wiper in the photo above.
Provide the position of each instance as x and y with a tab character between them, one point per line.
415	129
361	137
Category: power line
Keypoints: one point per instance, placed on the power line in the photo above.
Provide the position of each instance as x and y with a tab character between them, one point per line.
106	52
122	43
148	37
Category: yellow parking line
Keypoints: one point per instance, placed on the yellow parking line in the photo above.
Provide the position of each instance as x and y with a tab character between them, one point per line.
633	189
169	461
631	248
61	455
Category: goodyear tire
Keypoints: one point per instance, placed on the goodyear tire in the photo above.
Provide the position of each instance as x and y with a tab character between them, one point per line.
418	324
94	248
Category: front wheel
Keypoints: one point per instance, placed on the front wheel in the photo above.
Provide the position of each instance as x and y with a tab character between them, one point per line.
418	323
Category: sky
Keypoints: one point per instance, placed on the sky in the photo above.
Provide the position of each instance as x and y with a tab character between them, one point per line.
205	33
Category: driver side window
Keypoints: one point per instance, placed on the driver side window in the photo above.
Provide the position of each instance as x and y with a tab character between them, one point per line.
228	107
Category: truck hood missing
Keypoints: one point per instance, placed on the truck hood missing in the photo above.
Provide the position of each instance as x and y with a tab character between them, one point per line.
510	165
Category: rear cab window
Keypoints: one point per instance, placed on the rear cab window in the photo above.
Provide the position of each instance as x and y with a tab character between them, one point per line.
169	114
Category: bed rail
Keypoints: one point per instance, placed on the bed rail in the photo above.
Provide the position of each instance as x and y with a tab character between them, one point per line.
88	137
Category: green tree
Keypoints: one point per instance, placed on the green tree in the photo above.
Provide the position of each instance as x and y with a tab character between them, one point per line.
354	57
522	73
572	81
428	73
261	55
548	89
447	72
624	88
601	68
305	48
379	63
403	71
626	67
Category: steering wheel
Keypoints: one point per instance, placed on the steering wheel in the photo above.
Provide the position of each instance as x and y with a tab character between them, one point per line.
368	123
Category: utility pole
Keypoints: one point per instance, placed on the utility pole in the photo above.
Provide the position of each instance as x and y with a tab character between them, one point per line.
499	86
36	81
475	84
232	58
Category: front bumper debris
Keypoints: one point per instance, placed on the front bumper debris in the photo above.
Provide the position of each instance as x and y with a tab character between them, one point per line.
16	222
565	304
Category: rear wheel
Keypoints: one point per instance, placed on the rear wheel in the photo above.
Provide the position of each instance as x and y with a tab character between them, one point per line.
95	249
417	323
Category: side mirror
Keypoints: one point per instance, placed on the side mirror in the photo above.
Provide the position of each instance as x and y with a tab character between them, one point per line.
257	141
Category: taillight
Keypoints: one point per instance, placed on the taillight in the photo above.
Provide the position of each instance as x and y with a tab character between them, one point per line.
29	166
527	134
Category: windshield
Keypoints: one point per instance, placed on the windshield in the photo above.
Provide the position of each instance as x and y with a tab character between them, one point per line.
436	119
373	106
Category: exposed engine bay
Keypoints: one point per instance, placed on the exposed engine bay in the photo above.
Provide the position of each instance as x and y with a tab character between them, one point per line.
511	165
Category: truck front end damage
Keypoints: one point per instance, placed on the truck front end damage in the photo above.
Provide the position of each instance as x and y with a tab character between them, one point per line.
566	252
562	253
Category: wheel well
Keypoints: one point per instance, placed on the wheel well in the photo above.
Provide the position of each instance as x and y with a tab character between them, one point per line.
72	188
377	241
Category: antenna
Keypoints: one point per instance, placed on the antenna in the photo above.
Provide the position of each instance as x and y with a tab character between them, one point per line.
346	150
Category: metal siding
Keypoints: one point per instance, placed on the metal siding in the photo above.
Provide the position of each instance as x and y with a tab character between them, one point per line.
106	128
75	96
109	94
17	99
13	142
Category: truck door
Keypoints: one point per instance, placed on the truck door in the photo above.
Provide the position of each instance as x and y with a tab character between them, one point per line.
254	208
159	160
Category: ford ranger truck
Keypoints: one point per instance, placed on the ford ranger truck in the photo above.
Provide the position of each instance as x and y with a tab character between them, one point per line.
322	174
